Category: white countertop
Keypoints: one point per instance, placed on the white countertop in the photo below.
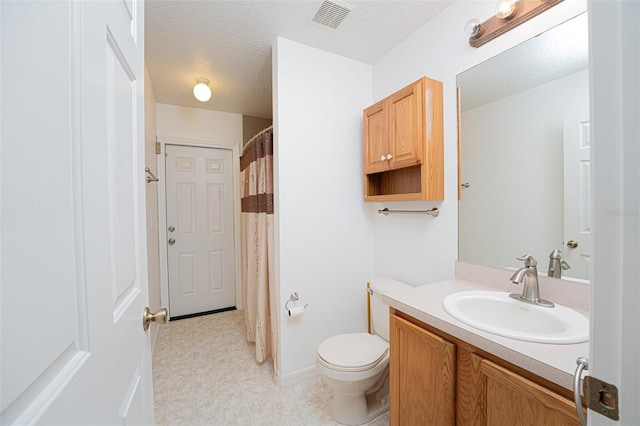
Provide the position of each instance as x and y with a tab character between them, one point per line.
554	362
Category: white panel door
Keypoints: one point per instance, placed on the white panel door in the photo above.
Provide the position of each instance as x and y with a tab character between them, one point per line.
200	246
577	195
74	283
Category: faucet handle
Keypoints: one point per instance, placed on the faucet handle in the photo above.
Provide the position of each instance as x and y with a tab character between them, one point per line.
528	260
556	254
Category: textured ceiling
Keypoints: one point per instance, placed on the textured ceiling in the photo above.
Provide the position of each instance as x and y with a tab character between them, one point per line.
556	53
229	43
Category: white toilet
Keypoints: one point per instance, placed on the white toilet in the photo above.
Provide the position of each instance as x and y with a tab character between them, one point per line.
356	366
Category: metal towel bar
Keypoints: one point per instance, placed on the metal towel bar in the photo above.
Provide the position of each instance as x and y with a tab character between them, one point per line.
431	212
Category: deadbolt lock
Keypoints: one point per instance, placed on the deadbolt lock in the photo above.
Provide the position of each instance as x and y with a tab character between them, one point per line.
172	229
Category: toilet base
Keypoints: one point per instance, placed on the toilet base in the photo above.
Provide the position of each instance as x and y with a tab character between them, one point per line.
357	408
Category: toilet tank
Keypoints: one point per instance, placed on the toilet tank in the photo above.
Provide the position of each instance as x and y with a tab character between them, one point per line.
379	309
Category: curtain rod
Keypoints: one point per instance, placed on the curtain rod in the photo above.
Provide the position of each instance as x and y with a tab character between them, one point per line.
255	136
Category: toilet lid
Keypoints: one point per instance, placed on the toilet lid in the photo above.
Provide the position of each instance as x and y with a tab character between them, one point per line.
353	352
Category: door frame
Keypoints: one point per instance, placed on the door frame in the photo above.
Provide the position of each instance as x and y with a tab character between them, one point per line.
615	348
163	235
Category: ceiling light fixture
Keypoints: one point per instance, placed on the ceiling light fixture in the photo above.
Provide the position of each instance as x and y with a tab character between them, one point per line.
508	15
201	90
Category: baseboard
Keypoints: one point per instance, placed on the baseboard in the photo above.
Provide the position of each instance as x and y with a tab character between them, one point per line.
298	377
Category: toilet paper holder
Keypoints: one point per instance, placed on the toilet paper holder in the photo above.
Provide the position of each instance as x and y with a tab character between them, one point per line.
292	298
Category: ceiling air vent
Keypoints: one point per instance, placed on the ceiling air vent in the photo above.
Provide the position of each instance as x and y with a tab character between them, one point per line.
332	13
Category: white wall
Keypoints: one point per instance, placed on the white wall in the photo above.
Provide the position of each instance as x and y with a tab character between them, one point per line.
177	122
423	249
512	149
323	229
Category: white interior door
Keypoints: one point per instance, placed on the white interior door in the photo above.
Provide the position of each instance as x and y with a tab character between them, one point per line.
577	195
74	281
200	246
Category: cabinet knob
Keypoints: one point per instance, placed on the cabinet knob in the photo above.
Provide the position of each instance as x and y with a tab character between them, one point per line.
389	156
383	158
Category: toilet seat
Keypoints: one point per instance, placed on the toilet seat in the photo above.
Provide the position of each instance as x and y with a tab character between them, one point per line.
352	352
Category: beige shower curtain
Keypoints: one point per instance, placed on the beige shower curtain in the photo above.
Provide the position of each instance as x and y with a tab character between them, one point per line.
256	165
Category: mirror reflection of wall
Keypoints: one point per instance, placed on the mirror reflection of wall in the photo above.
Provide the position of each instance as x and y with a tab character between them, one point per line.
517	111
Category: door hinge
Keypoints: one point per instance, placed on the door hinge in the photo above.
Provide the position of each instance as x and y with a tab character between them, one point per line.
158	148
601	397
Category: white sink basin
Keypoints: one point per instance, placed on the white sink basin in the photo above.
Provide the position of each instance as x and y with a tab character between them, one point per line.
497	313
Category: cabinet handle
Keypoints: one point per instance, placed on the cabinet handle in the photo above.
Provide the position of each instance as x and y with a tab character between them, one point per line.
389	156
383	158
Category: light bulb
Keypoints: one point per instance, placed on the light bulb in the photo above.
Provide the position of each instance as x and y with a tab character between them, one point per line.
201	90
505	9
473	28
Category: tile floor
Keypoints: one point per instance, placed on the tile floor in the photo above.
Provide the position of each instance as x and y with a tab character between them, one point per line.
205	374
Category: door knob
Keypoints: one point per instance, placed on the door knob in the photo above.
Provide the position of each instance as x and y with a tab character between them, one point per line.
147	317
172	241
572	244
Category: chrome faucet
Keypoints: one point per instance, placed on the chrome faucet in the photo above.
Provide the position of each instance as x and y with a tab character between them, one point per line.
556	264
528	276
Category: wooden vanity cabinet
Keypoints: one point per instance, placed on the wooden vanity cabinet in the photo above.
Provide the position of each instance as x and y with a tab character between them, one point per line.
422	374
403	145
438	379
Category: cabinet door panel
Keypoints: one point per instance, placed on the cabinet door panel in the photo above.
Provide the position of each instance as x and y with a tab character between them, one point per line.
375	122
406	134
422	374
510	399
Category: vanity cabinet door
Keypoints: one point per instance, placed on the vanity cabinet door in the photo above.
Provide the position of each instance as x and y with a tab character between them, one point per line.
422	376
510	399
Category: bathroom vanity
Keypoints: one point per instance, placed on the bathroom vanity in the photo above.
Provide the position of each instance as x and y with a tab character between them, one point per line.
445	372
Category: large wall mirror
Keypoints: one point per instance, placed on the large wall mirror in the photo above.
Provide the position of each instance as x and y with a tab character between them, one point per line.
525	153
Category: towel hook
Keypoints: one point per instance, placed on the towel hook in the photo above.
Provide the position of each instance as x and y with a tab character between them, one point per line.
150	176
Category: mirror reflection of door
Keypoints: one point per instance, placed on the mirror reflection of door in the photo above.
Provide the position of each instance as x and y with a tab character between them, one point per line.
577	199
200	244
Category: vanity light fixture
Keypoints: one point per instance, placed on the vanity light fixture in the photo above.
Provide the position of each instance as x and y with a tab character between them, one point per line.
506	9
201	90
473	28
508	15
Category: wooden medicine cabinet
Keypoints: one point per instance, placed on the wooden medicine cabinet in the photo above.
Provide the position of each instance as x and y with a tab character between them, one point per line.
403	145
